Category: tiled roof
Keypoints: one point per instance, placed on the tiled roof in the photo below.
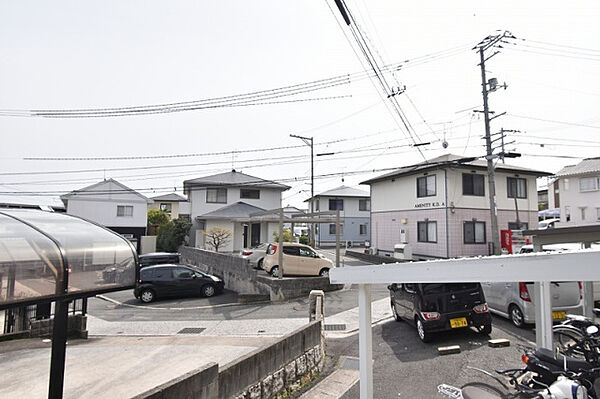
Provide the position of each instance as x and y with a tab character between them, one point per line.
237	210
343	191
234	178
456	161
93	189
588	165
170	197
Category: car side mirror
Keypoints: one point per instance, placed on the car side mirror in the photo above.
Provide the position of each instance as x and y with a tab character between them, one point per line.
392	287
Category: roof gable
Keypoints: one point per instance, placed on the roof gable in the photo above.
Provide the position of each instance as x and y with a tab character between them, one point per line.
106	189
236	210
343	191
170	197
588	165
234	179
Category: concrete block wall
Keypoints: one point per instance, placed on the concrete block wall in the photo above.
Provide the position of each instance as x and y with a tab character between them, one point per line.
77	327
266	373
239	276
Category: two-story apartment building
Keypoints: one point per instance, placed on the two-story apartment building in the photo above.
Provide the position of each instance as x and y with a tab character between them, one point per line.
173	204
228	200
113	205
441	207
354	206
576	192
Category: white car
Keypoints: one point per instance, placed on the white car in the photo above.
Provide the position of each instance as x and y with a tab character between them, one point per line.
255	255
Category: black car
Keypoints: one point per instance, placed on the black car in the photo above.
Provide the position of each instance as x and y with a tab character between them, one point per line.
159	258
435	307
162	281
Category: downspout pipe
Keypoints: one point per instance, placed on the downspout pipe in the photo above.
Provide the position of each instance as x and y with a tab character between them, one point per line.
446	202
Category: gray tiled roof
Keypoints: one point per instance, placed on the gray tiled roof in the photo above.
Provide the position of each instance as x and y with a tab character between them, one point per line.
92	189
588	165
234	178
343	191
170	197
455	161
236	210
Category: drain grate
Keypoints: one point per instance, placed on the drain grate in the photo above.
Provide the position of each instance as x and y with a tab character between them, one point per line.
191	330
335	327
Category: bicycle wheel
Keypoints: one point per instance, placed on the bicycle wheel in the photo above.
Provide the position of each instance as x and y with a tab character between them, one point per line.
477	390
571	343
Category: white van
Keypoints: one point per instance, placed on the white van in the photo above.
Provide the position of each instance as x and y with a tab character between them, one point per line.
547	224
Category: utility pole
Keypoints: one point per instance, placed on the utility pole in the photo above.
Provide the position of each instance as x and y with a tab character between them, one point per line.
309	142
486	44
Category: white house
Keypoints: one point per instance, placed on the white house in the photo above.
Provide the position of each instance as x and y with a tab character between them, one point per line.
441	207
355	211
228	200
576	192
113	205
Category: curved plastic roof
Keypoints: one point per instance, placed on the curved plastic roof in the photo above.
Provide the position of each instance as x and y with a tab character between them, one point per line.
46	255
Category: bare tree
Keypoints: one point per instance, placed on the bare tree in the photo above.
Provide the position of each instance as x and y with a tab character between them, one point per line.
217	237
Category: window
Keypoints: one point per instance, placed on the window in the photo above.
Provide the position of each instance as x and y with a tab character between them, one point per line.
473	184
250	194
125	210
166	207
336	204
332	229
427	231
516	187
588	183
568	213
426	186
582	213
363	228
216	195
522	226
289	250
597	213
364	205
317	205
307	252
181	273
566	184
474	232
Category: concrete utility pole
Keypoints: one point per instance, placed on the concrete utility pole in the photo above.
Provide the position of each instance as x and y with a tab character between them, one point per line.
309	142
485	44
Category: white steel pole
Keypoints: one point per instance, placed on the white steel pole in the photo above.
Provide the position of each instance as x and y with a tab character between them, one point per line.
365	341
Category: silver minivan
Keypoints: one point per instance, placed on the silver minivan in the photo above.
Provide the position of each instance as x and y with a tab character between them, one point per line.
514	300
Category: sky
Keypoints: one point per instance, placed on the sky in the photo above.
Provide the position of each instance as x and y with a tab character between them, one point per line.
105	54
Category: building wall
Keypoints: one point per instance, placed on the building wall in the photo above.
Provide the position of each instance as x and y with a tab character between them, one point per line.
104	212
174	207
269	199
351	231
395	206
572	197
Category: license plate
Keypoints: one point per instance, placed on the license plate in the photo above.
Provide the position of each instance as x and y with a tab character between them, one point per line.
460	322
559	315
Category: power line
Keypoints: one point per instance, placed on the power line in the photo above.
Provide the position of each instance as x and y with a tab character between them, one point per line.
555	121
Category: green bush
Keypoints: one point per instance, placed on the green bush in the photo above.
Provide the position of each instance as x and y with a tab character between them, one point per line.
172	235
303	240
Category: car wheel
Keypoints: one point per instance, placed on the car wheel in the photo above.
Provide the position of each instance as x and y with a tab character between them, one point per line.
516	316
147	296
423	335
259	264
208	290
395	313
324	272
275	271
485	329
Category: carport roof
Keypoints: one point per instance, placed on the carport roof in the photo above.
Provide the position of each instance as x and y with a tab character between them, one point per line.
237	210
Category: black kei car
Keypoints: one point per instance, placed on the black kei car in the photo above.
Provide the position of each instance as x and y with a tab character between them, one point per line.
162	281
436	307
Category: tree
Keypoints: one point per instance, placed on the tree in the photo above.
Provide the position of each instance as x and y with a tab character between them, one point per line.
287	235
217	237
172	235
156	219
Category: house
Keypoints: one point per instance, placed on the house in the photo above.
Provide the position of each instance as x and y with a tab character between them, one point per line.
229	200
576	192
174	204
354	206
112	205
441	207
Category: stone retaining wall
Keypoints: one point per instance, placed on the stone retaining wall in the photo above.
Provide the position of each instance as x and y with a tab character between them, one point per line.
375	259
76	327
241	277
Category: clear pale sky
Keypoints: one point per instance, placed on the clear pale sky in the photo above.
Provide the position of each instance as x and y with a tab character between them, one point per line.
95	54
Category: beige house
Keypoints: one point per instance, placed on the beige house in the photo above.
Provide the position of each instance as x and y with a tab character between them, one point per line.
175	205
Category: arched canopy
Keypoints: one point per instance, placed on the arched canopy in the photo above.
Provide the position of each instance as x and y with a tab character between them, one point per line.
46	256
